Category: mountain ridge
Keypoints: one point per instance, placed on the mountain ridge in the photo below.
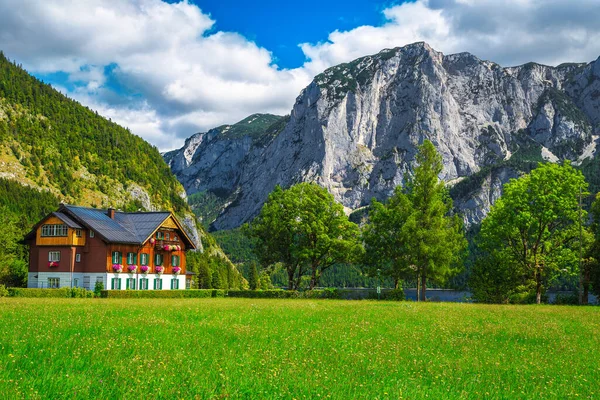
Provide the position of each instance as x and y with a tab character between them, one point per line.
354	130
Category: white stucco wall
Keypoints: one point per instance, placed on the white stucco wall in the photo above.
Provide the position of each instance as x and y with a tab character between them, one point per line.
80	279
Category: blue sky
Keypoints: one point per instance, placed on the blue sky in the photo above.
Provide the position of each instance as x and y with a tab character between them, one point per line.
167	70
281	25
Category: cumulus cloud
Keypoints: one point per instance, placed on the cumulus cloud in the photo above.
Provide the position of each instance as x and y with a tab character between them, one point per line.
162	70
509	32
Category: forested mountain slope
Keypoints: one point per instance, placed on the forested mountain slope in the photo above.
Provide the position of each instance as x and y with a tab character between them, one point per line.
53	149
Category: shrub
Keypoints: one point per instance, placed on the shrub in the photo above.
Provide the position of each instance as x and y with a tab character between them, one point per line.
3	291
394	294
162	294
525	295
81	293
31	292
98	288
567	298
286	294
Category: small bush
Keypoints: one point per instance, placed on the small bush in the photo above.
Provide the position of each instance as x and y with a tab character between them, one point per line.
81	293
524	295
3	291
31	292
567	299
286	294
98	288
162	294
394	295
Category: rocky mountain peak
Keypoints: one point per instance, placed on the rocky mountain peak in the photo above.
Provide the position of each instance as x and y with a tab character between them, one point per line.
356	127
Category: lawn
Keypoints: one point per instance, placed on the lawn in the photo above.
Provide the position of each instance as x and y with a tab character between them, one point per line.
254	348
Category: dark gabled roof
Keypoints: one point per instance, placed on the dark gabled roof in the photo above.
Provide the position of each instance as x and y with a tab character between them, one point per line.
68	221
127	228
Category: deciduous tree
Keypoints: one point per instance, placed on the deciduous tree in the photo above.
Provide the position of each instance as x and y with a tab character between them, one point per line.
306	230
535	224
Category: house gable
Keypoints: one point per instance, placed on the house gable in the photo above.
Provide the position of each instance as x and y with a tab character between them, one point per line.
56	231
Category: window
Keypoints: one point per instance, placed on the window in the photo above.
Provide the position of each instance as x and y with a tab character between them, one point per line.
78	232
53	283
157	284
188	284
175	238
144	284
158	259
55	230
159	235
167	236
131	258
76	282
77	257
130	283
117	257
115	283
175	261
144	259
174	283
91	234
54	256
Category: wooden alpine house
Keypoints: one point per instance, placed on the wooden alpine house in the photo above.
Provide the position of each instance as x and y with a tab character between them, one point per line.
79	246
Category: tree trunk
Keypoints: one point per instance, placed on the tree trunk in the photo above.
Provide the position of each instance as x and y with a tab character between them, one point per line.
586	286
418	286
424	286
290	279
538	289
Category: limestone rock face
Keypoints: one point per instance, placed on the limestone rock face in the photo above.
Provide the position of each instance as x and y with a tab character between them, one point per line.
355	130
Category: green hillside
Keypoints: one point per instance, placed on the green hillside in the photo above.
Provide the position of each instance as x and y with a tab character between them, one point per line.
50	141
254	126
53	149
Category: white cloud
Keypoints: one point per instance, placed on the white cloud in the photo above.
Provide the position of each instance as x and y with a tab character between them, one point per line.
509	32
185	76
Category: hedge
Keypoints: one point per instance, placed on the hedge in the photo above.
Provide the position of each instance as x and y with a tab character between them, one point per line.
31	292
287	294
162	294
62	292
394	295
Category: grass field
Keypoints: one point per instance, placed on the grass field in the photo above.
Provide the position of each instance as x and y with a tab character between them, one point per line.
251	348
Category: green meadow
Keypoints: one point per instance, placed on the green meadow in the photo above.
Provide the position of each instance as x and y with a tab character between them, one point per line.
295	349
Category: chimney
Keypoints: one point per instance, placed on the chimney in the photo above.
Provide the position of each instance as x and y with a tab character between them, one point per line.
111	213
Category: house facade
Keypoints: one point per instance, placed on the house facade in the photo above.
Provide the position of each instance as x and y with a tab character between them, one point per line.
79	246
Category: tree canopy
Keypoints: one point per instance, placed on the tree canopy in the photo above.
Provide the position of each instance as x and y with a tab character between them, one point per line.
305	230
535	226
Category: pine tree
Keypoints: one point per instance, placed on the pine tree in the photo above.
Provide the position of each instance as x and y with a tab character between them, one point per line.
253	278
435	241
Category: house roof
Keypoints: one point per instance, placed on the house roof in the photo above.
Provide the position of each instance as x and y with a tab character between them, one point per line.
68	221
125	228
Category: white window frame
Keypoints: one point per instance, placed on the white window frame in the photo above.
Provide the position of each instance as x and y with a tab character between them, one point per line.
55	230
78	232
159	281
143	283
131	258
78	257
120	257
112	284
54	256
177	261
92	234
53	283
174	282
156	257
144	259
129	282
